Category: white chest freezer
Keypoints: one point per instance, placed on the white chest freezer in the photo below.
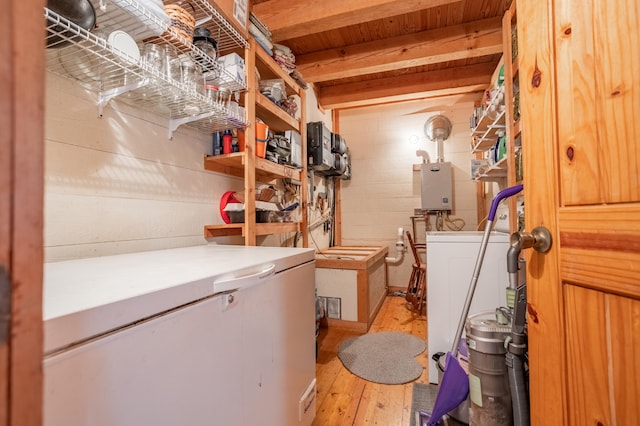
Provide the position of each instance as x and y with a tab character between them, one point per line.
451	257
207	335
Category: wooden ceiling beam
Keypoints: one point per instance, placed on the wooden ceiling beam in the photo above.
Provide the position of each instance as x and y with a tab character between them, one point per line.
473	39
470	78
289	19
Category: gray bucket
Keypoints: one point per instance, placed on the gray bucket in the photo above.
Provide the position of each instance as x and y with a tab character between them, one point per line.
461	413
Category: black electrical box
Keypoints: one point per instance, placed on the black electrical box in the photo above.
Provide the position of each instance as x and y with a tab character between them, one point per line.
319	147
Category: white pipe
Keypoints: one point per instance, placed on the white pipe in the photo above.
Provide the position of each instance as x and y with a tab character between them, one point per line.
424	154
400	248
440	150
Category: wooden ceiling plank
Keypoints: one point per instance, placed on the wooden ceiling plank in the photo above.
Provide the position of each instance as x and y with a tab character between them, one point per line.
474	39
290	19
451	91
465	79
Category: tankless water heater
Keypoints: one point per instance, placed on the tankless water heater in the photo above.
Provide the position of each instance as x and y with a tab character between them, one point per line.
437	184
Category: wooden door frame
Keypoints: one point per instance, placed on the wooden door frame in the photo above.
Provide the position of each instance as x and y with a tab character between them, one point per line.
21	209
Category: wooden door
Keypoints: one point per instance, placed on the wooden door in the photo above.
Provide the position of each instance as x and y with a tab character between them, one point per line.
580	95
21	200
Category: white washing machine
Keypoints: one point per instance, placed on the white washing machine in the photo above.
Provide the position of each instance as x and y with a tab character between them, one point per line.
451	257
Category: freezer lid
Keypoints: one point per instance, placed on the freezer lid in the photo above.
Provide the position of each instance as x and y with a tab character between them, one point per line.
87	297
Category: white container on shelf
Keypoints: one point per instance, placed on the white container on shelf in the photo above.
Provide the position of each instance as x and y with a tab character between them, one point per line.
233	64
231	59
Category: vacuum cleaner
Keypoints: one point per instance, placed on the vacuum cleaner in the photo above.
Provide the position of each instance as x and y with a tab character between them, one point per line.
498	363
454	386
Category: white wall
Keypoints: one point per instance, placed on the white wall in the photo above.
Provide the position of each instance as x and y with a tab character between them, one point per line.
384	189
313	111
117	184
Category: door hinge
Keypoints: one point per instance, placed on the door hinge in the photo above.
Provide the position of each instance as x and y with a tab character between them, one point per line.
5	304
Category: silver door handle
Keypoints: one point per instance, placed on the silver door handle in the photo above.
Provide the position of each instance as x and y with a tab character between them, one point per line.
539	239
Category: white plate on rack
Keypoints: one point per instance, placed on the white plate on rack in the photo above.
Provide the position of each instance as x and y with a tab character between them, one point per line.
125	44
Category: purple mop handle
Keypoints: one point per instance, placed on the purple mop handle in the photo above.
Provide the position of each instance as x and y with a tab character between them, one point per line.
505	193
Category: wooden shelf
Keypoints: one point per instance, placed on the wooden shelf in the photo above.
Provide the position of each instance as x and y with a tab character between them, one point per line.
228	164
276	228
269	69
277	119
233	164
227	230
248	166
269	170
267	110
238	229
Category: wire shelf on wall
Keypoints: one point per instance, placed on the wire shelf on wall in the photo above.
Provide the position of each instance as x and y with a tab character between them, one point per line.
227	38
91	60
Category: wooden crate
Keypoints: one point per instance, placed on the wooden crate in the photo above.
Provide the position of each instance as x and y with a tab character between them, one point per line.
358	277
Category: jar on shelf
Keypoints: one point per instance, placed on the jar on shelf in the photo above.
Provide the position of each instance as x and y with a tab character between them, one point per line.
191	77
171	62
202	40
224	97
154	56
211	91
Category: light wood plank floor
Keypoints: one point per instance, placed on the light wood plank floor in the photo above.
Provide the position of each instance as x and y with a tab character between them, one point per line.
345	399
